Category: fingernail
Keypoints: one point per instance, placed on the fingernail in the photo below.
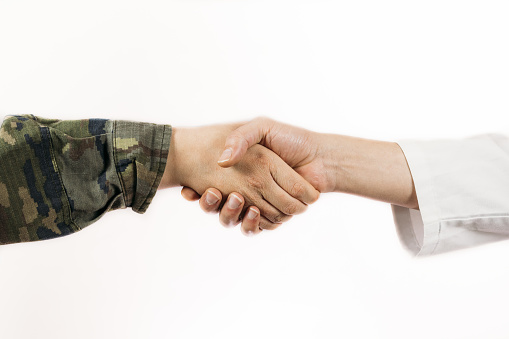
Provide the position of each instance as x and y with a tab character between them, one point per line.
234	201
252	214
227	154
211	198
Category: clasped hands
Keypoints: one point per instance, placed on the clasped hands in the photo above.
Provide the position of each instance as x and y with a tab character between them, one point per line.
259	174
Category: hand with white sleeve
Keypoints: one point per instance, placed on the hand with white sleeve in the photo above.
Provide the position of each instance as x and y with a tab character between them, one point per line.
331	163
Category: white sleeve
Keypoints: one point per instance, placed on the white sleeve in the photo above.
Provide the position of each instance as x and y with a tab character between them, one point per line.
462	188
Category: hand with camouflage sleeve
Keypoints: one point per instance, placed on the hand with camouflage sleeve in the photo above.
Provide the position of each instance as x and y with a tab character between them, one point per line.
261	177
59	176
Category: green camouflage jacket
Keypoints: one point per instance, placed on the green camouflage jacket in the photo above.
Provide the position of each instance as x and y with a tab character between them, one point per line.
58	176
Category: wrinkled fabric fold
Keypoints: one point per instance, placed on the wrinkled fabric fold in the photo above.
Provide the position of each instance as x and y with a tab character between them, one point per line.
59	176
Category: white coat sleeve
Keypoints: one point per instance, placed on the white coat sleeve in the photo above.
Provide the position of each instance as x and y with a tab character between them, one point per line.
462	188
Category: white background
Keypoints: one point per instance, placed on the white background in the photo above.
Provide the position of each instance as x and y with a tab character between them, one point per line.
384	70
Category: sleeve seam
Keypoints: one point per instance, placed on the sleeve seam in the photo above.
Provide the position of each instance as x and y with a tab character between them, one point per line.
119	175
57	170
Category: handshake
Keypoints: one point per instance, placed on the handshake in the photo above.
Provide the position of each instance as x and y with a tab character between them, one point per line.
263	172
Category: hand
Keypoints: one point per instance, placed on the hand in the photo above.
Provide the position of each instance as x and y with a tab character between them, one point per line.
331	163
301	149
231	211
261	178
298	147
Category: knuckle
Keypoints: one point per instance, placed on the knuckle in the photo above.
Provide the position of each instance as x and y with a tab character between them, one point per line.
290	208
265	123
266	163
279	218
255	182
298	190
269	227
261	159
238	138
315	198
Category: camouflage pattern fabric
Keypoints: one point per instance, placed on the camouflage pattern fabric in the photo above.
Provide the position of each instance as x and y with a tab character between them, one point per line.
58	176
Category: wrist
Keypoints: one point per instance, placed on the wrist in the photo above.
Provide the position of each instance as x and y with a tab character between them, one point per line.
193	155
172	176
331	151
368	168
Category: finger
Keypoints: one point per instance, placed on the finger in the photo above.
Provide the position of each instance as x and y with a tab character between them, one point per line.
282	201
242	138
292	183
189	194
231	211
211	200
270	212
251	222
266	224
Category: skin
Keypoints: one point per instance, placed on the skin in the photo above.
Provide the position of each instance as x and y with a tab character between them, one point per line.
260	178
331	163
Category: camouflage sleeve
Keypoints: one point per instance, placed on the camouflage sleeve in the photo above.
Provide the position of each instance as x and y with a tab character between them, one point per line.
58	176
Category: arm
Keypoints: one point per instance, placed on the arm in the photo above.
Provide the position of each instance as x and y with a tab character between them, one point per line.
369	168
59	176
445	194
261	177
331	163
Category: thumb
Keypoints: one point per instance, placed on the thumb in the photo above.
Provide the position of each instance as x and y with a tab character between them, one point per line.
241	139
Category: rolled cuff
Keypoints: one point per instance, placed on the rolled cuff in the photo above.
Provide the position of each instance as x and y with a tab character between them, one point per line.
140	151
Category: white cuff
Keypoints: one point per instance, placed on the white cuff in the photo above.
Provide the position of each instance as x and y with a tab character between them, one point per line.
462	188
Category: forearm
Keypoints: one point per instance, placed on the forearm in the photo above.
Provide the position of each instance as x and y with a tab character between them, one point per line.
368	168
